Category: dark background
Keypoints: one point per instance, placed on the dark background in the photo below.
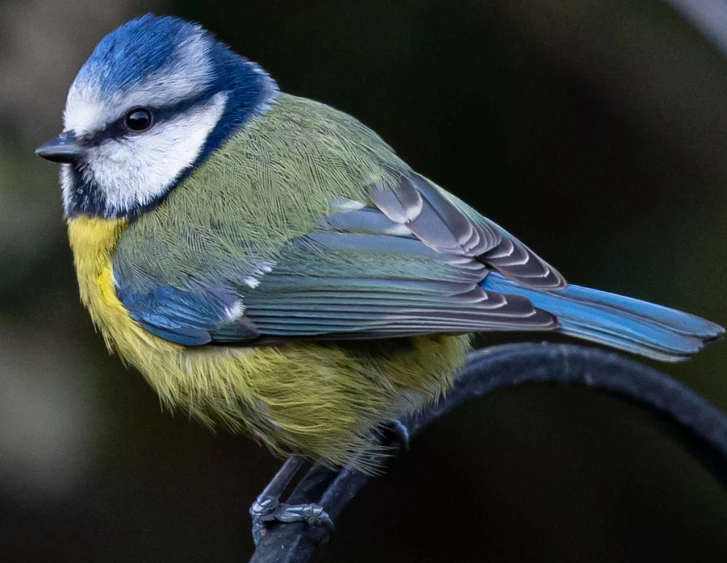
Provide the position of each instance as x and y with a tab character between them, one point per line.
595	130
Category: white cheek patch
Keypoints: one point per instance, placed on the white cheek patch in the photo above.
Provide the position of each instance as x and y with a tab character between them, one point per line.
88	111
137	169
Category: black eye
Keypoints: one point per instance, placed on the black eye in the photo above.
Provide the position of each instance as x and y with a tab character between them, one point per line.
138	119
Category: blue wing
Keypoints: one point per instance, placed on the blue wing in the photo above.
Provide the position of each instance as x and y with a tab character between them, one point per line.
188	316
390	286
409	261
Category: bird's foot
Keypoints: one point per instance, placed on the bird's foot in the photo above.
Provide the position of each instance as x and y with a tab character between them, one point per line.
266	510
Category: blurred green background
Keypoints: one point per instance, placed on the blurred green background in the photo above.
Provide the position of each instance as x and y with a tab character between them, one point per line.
595	130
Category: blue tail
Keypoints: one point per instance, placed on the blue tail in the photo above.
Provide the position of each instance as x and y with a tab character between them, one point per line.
614	320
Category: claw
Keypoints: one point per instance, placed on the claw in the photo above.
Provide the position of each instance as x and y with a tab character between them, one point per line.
262	511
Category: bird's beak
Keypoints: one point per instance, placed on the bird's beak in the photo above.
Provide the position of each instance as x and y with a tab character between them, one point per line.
64	148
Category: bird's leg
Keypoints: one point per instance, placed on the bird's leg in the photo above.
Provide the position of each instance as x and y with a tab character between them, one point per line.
268	508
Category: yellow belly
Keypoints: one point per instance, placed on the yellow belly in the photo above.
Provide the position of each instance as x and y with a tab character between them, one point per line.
320	401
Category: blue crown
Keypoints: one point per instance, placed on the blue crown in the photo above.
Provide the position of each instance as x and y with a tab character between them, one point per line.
136	49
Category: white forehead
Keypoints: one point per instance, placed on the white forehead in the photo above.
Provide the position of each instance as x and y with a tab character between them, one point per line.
89	109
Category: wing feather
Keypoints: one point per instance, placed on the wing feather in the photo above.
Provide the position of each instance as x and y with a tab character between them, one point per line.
448	225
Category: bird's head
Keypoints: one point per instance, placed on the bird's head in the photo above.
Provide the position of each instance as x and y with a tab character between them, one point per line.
153	100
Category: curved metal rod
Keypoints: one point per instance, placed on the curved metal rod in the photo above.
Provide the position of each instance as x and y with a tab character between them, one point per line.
506	366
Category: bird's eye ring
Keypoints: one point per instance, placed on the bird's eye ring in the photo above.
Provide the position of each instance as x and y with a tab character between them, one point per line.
138	120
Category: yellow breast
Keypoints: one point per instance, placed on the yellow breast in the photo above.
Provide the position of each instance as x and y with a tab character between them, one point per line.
93	241
321	401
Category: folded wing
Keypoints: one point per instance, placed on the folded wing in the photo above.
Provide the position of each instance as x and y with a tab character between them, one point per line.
408	262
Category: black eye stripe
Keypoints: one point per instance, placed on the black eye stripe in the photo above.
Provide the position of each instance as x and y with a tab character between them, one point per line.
118	129
161	114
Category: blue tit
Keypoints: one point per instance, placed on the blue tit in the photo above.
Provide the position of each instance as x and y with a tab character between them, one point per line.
271	266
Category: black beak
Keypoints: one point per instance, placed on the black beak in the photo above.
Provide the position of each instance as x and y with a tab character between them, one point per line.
64	148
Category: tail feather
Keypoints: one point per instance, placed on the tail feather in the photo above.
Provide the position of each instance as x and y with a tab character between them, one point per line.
622	322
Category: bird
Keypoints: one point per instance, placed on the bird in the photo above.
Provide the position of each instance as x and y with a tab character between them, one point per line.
271	266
